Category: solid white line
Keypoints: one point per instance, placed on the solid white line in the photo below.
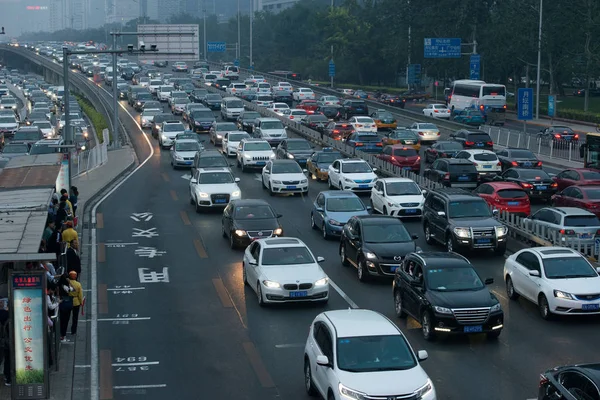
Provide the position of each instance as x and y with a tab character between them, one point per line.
343	294
129	288
162	385
289	345
83	366
123	319
94	379
135	364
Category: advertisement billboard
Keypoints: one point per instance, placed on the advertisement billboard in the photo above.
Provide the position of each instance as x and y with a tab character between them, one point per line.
171	42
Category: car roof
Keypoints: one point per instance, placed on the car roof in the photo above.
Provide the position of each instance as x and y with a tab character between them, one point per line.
269	119
389	180
358	322
441	259
186	140
569	211
338	193
214	169
554	252
254	140
479	151
296	140
372	219
400	146
211	153
250	202
457	161
284	162
504	185
281	242
351	160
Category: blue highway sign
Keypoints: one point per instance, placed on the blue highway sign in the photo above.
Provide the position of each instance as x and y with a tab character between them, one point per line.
474	67
331	68
525	104
442	47
216	47
552	105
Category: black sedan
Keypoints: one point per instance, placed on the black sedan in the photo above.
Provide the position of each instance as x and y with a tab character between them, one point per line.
442	149
198	95
247	220
201	120
213	101
535	182
315	121
570	382
283	96
375	245
246	120
452	172
518	158
559	134
393	100
332	112
473	139
294	149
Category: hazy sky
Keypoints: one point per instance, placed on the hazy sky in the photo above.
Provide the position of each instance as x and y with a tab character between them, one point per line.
18	16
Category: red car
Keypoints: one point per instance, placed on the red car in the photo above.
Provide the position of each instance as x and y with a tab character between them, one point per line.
505	196
584	197
310	106
402	156
577	176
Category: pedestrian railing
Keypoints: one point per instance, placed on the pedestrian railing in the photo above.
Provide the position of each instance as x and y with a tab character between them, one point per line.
86	160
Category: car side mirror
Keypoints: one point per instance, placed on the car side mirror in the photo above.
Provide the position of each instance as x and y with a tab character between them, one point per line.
452	135
415	237
495	211
319	209
305	171
598	269
193	181
323	361
236	180
422	355
489	281
374	169
369	208
497	178
320	259
534	273
336	170
441	213
266	172
253	262
424	192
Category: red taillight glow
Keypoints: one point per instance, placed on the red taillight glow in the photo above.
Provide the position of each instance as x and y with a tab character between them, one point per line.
526	185
515	164
336	131
379	145
421	133
567	232
469	143
554	185
557	136
291	117
435	111
543	380
447	176
499	164
358	144
539	164
576	136
489	143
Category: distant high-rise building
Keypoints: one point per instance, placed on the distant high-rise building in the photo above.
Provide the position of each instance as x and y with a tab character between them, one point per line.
121	11
79	14
167	9
191	7
273	5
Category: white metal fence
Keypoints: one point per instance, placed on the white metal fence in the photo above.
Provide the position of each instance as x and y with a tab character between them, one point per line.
84	161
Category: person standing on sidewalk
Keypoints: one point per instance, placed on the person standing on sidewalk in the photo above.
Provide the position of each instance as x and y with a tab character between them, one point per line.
69	234
65	197
73	199
66	306
5	341
77	295
73	260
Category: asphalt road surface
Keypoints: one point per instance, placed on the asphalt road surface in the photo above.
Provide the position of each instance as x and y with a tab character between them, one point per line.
199	333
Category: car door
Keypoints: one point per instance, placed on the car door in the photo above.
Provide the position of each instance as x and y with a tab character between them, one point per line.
531	284
252	254
354	240
322	373
510	176
334	171
319	210
438	222
386	154
411	290
566	198
377	195
227	218
576	197
485	191
281	150
567	178
579	385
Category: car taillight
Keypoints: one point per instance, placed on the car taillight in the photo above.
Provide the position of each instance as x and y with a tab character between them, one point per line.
576	137
336	131
358	125
539	164
526	185
421	133
443	155
554	185
418	160
358	144
515	164
469	143
489	143
435	111
379	145
481	107
557	136
447	176
291	117
592	206
568	232
543	380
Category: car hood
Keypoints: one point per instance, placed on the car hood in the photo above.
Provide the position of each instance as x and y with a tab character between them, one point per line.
417	198
218	188
361	176
475	222
323	165
303	273
578	286
185	154
222	133
204	120
289	177
12	155
462	299
257	224
9	125
343	217
384	383
301	153
390	250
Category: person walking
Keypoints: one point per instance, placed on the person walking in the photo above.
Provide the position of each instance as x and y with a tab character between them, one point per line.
61	214
66	306
77	295
73	199
73	259
5	341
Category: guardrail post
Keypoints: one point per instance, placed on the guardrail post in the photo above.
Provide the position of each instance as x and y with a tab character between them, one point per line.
528	140
551	148
507	138
570	150
519	141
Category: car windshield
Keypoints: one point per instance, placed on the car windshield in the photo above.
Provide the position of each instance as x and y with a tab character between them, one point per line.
356	168
203	114
217	161
385	233
453	279
402	189
199	93
257	146
183	100
533	174
298	145
151	113
236	137
227	126
479	137
144	96
215	178
286	256
167	89
43	149
522	154
568	267
187	146
178	95
386	116
271	125
408	152
328	158
581	221
26	136
427	126
173	127
364	120
512	194
368	138
15	149
404	135
250	116
263	98
286	168
7	120
318	118
254	212
468	209
344	204
374	353
485	157
235	104
563	129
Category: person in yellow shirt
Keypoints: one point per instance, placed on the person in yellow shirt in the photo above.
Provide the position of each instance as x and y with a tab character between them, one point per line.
64	196
77	295
69	234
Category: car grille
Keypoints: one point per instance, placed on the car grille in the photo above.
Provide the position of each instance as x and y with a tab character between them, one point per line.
293	286
409	204
471	316
260	158
483	232
188	158
216	197
389	268
363	181
411	396
290	182
260	234
587	296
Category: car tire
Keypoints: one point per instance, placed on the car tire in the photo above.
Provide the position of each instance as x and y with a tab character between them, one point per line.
312	222
510	289
238	163
385	211
427	327
308	381
243	166
329	183
198	208
544	307
343	257
450	248
361	271
428	237
271	192
259	295
223	233
399	304
232	244
324	231
192	201
244	275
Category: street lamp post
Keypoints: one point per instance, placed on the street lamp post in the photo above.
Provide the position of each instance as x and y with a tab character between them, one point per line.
204	22
539	65
251	23
239	33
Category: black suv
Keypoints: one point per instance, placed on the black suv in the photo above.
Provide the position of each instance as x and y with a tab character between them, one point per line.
453	172
209	159
375	245
353	107
446	295
473	139
462	220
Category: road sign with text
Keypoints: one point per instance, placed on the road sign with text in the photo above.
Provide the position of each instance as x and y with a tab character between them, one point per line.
331	68
216	47
474	66
414	74
525	104
552	106
442	47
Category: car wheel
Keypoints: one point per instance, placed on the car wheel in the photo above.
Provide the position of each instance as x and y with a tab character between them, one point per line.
373	210
324	230
339	186
312	221
259	295
426	327
192	201
428	237
243	166
271	192
385	212
343	257
398	304
198	208
329	183
244	275
232	244
362	273
308	380
510	289
544	307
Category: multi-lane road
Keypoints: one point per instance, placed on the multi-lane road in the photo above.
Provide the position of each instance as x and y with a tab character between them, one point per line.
176	320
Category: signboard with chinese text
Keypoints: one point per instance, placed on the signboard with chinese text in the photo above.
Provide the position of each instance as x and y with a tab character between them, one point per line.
474	67
551	106
525	104
442	47
29	327
166	39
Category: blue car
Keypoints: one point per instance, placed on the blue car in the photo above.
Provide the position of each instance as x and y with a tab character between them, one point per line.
332	209
470	117
365	141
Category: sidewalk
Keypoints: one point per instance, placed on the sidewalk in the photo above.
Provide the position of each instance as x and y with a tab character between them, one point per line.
577	126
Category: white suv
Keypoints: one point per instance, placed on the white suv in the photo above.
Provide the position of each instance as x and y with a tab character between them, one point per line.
399	197
361	354
486	162
254	153
168	133
351	174
284	176
213	187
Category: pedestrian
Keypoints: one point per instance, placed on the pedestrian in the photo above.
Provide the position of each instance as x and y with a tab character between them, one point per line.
65	197
61	214
77	295
66	306
68	233
53	208
5	340
73	259
50	226
73	199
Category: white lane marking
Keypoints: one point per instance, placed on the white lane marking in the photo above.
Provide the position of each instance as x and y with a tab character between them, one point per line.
343	294
94	381
125	288
289	345
258	177
123	319
162	385
135	364
83	366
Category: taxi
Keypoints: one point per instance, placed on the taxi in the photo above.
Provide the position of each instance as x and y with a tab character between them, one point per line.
384	119
318	163
402	136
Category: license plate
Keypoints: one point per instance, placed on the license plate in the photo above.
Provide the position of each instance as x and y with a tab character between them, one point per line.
589	307
474	328
410	211
393	269
220	201
585	235
527	164
290	187
484	240
363	186
542	187
299	294
406	168
463	178
513	203
260	163
479	144
188	163
409	142
487	166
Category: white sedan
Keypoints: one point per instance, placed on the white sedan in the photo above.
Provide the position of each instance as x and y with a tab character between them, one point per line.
282	270
328	100
284	176
231	141
278	108
303	94
213	187
399	197
486	162
558	280
295	114
437	111
363	124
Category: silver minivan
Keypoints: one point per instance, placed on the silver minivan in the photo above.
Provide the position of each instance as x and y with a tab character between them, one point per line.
231	108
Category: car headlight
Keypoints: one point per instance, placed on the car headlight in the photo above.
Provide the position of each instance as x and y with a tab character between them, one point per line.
390	204
203	195
290	156
423	390
164	137
278	232
563	295
370	256
303	181
139	103
442	310
247	156
336	223
272	156
501	230
219	136
276	182
197	123
496	307
322	282
348	393
178	157
237	193
271	284
240	232
462	232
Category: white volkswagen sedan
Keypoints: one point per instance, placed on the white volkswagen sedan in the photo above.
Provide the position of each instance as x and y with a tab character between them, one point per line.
361	354
399	197
284	176
351	174
437	111
363	124
558	280
213	187
284	269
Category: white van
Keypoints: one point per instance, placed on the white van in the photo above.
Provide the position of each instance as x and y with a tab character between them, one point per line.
231	108
232	72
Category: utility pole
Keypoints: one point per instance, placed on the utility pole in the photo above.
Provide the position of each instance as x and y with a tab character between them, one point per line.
67	133
539	65
409	46
115	93
204	18
239	33
251	23
332	5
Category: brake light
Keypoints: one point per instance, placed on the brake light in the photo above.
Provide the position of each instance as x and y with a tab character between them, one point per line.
336	131
526	185
543	380
567	232
443	155
489	143
539	164
515	164
469	143
421	133
359	125
447	176
291	117
418	160
379	145
344	126
554	185
504	107
592	206
499	164
557	136
598	232
358	144
435	111
576	136
481	107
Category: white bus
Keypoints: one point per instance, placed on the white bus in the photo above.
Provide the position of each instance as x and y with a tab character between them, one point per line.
477	94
